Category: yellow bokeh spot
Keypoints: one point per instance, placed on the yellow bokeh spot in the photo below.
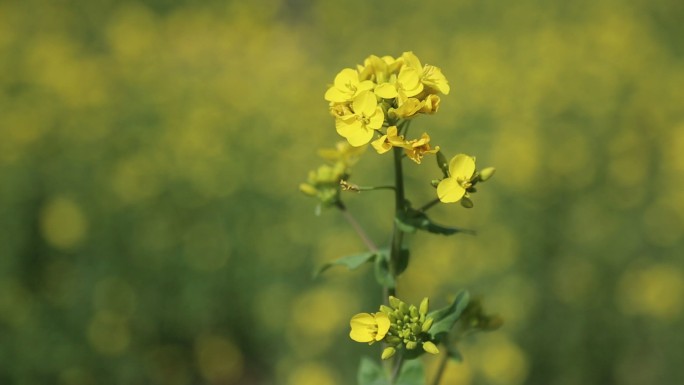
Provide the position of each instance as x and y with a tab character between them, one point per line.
320	312
109	334
455	373
501	361
218	359
516	156
311	374
63	224
135	179
656	291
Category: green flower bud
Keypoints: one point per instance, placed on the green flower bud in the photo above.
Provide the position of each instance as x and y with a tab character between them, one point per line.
424	306
443	163
487	173
308	189
386	309
413	310
393	340
427	325
403	308
416	329
467	203
430	347
395	302
388	353
411	345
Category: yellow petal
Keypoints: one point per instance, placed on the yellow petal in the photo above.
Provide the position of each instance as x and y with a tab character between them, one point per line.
347	77
462	166
386	91
449	191
383	325
364	103
412	60
362	327
359	137
381	145
346	127
377	119
334	94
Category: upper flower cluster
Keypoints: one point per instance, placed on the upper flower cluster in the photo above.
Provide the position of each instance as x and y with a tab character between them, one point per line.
380	94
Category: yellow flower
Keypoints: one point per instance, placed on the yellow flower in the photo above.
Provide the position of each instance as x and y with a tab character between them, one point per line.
403	86
417	148
347	86
430	104
369	328
430	76
378	69
389	140
366	117
461	171
408	108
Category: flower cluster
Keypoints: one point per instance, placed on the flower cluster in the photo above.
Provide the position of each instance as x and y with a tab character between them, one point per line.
380	94
399	325
461	178
324	182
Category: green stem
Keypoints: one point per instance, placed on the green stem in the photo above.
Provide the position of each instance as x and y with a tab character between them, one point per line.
357	227
399	208
440	369
428	205
397	369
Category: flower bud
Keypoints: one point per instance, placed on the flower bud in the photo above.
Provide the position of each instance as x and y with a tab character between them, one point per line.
427	325
388	353
424	306
467	203
308	189
487	173
394	302
430	347
412	345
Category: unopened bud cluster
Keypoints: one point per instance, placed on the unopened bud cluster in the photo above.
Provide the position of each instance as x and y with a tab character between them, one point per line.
408	327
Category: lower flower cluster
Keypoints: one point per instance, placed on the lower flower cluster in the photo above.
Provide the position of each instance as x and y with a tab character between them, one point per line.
399	325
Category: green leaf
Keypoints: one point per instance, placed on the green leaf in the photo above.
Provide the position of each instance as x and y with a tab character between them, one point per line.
412	220
370	373
412	373
454	354
350	261
382	271
445	318
403	261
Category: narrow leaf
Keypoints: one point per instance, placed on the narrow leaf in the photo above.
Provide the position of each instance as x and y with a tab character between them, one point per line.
350	261
370	373
382	271
445	318
412	373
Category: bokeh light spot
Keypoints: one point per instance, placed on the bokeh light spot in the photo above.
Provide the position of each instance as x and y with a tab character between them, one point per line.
656	291
63	224
311	374
109	334
218	359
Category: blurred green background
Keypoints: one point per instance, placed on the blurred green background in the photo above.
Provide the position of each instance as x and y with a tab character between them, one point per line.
151	231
